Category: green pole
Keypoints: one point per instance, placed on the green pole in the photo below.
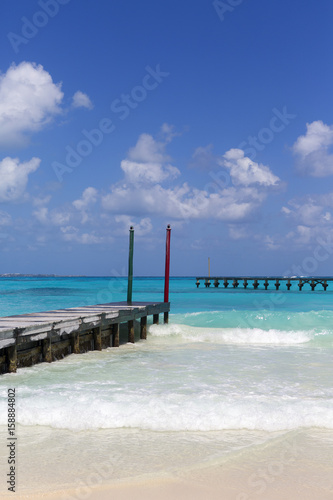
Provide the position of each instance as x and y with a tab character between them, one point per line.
130	266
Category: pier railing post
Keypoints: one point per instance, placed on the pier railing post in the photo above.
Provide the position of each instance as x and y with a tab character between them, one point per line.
167	270
130	266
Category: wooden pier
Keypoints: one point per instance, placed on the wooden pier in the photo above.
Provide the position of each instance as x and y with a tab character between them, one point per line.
33	338
253	283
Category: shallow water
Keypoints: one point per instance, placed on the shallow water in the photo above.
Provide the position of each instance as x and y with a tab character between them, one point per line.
234	372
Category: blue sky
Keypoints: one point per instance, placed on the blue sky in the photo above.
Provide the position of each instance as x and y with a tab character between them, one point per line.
214	117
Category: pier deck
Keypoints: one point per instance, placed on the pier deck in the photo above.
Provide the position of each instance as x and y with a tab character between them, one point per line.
32	338
256	281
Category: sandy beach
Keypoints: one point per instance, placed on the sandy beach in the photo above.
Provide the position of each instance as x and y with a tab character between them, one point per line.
215	484
294	466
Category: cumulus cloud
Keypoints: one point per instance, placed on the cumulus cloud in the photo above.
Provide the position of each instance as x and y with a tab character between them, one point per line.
147	163
14	177
89	198
28	101
147	167
313	210
246	172
81	100
311	217
56	217
142	228
312	150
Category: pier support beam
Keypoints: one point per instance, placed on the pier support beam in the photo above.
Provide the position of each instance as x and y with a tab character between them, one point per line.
131	338
277	284
255	284
197	283
76	343
97	339
288	284
156	319
245	283
47	350
166	318
143	328
12	358
115	335
266	284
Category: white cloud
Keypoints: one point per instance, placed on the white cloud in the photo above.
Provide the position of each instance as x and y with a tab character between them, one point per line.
237	232
89	197
5	219
146	168
54	218
72	234
28	101
38	202
308	213
312	150
14	177
183	202
81	100
245	172
147	162
311	216
142	228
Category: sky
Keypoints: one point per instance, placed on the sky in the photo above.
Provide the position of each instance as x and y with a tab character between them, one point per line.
212	116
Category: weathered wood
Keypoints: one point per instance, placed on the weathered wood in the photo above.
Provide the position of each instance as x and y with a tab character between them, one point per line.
156	319
97	338
32	338
166	317
12	358
115	335
143	328
76	343
47	350
131	336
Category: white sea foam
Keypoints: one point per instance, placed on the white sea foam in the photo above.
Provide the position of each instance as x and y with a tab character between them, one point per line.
172	412
232	335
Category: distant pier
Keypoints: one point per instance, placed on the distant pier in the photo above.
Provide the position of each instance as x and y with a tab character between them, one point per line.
253	283
28	339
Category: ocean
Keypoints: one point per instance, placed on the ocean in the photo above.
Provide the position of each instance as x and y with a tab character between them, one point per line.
239	382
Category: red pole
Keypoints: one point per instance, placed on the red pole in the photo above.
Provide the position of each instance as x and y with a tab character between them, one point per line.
167	264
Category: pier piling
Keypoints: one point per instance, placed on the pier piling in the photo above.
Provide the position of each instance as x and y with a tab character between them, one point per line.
143	328
131	337
278	281
115	334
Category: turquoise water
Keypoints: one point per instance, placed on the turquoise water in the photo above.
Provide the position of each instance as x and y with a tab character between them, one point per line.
255	363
